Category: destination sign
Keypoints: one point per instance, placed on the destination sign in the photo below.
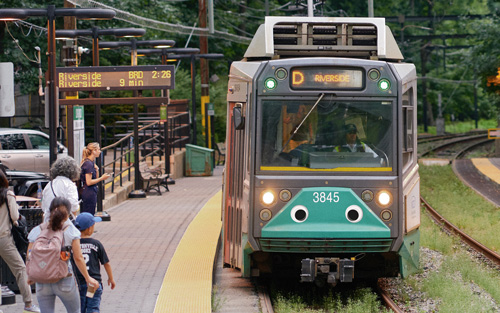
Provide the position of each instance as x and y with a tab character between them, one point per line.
332	78
92	78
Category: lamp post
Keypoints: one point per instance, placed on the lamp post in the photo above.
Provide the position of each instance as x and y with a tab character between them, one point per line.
167	54
193	58
138	192
51	12
96	32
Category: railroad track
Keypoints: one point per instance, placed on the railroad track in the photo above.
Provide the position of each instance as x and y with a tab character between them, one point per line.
451	148
387	300
265	300
440	220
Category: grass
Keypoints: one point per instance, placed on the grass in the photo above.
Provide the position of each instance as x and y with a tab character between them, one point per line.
460	126
359	301
461	205
217	300
452	284
461	282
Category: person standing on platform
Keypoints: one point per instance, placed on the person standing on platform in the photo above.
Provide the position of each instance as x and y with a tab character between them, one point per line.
8	250
89	177
63	173
94	254
65	289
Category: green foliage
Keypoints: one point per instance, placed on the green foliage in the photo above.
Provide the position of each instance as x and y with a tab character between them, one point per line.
243	19
460	205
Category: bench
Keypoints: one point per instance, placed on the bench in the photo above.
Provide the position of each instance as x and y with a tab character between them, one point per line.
220	153
153	177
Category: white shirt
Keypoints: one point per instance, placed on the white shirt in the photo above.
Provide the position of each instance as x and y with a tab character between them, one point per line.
63	187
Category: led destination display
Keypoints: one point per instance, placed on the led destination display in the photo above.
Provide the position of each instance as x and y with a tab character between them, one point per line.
115	78
326	78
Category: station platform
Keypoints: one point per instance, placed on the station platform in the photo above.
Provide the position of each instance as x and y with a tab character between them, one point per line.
482	175
143	241
488	167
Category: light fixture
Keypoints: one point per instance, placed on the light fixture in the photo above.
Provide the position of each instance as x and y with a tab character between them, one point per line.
384	84
270	83
384	198
268	197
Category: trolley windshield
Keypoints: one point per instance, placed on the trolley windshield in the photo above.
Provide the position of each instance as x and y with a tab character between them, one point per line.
326	136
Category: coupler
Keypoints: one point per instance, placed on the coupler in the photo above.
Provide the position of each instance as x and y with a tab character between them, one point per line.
331	270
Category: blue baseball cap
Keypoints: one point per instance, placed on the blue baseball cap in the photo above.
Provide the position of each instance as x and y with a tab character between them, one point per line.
85	220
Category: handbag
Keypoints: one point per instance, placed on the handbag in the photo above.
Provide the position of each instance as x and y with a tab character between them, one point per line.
19	233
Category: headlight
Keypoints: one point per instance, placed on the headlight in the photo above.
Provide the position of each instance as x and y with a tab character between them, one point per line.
384	198
267	197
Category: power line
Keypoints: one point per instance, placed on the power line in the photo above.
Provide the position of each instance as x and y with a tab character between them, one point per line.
162	26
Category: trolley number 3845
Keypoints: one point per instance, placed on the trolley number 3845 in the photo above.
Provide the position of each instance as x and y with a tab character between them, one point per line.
323	197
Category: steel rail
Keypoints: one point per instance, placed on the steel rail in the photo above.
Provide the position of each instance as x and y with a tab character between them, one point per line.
387	300
462	152
453	142
265	299
440	220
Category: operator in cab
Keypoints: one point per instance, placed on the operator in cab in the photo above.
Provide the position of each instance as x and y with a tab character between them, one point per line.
352	142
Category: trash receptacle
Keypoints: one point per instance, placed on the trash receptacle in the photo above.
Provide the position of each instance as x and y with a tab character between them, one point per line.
199	161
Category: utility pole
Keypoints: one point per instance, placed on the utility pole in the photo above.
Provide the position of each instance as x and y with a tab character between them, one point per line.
205	97
69	54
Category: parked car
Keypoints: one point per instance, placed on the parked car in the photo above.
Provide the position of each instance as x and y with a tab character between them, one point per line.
26	150
25	183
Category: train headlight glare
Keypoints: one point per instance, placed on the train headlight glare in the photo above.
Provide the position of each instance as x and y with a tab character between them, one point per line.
384	198
270	83
384	84
268	197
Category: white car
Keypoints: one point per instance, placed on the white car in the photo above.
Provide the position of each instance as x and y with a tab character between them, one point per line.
27	150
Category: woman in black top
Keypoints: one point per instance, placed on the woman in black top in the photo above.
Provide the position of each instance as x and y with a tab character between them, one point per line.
89	178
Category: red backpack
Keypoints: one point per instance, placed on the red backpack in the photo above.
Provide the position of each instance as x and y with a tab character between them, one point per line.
44	263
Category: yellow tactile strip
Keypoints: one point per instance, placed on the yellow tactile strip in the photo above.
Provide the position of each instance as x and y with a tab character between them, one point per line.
487	168
187	286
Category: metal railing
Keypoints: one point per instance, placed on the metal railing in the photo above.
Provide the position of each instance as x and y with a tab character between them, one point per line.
151	144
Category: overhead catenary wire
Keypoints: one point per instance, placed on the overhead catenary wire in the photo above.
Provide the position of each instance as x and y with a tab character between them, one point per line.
162	26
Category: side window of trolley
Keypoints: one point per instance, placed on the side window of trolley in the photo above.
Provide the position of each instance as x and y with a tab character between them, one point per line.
408	127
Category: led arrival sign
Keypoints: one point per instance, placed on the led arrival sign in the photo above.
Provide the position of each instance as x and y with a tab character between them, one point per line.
115	78
326	78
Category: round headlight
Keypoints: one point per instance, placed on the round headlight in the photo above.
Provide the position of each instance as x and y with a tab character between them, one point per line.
270	83
367	195
384	84
386	215
265	215
285	195
268	197
384	198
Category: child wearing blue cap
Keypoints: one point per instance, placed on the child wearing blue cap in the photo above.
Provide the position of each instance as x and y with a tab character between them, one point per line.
94	255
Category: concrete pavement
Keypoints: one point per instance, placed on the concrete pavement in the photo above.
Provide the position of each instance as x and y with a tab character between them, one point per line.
140	241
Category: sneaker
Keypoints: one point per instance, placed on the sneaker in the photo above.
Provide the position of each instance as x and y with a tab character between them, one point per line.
32	308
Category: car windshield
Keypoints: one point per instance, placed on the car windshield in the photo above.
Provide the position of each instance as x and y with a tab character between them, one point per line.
327	136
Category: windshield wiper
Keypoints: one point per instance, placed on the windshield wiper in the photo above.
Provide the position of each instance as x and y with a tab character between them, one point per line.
302	121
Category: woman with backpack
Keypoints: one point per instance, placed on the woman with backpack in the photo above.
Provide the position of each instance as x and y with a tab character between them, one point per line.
8	250
63	173
56	278
89	177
